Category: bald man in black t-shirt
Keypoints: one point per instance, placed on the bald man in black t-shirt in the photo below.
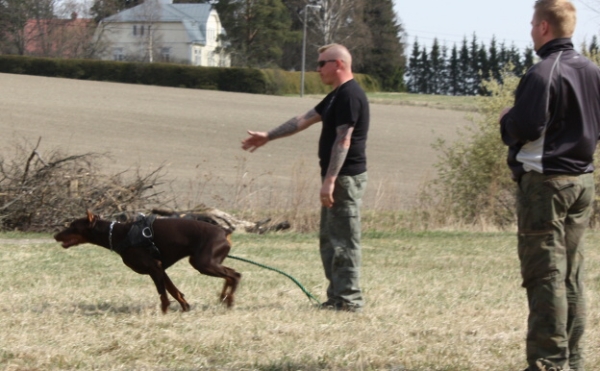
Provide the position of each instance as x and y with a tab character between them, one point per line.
345	116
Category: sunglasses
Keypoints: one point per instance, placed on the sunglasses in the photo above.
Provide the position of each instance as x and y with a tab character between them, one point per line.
322	63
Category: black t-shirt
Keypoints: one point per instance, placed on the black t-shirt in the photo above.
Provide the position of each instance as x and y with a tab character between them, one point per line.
347	104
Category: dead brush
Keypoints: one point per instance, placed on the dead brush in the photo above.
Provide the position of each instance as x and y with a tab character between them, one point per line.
41	191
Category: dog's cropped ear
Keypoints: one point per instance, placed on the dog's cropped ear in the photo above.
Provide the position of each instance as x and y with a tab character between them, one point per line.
91	218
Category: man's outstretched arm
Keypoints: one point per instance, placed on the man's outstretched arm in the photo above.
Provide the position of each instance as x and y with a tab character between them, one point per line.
292	126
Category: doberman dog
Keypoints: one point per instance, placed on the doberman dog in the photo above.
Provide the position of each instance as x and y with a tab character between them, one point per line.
206	245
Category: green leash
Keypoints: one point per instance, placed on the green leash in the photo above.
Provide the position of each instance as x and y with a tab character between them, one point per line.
308	294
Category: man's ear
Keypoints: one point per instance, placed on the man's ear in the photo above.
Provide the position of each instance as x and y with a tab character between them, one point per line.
545	26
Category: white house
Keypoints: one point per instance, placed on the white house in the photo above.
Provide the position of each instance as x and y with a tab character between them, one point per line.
160	31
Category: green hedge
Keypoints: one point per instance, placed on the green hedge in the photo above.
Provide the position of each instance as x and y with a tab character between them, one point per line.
244	80
281	82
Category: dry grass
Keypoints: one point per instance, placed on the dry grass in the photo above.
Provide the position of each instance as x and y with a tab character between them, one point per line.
435	301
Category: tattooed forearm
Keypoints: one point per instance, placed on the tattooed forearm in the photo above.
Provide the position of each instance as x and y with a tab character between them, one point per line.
285	129
294	125
339	150
338	156
310	115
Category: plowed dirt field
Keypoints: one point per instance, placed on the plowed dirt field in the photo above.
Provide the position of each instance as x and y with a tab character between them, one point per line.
196	134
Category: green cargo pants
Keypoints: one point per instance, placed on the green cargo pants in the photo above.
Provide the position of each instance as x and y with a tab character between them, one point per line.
553	213
339	242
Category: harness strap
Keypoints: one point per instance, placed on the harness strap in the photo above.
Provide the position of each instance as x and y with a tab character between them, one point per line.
141	234
110	232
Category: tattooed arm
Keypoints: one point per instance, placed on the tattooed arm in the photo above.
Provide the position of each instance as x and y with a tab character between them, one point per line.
338	156
290	127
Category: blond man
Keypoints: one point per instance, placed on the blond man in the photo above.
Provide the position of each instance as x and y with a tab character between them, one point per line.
551	133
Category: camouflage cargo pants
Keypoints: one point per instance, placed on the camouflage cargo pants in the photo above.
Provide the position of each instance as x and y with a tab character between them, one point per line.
553	212
339	242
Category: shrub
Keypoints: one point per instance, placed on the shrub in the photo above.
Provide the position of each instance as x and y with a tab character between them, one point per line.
474	184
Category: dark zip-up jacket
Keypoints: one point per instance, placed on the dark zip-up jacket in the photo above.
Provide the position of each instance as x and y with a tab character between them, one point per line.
554	125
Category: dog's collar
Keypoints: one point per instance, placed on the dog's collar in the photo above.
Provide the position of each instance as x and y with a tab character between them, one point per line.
110	231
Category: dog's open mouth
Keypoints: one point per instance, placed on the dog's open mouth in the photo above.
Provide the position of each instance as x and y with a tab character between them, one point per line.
68	243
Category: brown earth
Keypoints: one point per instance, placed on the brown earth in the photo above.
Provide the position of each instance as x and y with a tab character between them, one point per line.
196	135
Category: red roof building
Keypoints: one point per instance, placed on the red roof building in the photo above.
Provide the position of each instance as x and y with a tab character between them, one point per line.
64	38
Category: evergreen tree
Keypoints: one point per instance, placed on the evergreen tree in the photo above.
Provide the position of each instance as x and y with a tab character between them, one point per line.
495	64
465	67
436	68
414	69
443	88
384	59
256	31
528	60
514	57
474	78
425	75
503	59
594	47
292	49
454	72
484	69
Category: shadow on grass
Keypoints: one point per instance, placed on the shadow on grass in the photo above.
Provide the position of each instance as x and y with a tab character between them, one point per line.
290	366
103	308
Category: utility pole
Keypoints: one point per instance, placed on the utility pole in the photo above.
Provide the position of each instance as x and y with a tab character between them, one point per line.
304	47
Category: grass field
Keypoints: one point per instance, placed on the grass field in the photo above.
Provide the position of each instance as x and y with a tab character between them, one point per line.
443	102
435	301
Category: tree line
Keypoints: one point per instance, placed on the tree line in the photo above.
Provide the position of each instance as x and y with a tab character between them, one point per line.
465	69
462	70
270	34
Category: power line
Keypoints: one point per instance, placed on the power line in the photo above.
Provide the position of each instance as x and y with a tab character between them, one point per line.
450	39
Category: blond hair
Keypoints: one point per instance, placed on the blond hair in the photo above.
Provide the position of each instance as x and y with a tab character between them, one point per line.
560	15
337	51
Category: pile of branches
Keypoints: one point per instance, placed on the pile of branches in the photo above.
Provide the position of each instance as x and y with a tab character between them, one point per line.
40	193
222	219
44	193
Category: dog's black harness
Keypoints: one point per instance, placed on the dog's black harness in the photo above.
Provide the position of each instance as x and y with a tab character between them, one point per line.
141	234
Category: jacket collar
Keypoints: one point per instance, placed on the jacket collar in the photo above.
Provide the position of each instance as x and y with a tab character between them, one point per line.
554	46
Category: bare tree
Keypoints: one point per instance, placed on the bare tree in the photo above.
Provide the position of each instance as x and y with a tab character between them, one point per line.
66	8
150	40
14	15
337	20
49	28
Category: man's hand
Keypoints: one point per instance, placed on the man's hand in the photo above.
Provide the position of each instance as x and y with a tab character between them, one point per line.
255	140
326	194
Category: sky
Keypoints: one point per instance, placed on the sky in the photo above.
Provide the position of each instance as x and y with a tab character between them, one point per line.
507	20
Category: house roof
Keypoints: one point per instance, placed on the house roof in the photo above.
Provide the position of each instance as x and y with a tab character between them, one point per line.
193	17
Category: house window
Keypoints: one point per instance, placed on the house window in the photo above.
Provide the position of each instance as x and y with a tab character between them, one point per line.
142	30
134	30
165	54
118	54
212	35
